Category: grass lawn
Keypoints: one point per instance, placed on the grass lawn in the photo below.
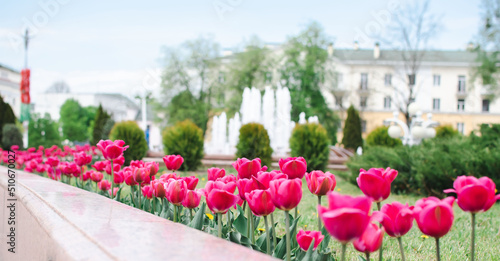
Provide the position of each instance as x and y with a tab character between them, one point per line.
454	246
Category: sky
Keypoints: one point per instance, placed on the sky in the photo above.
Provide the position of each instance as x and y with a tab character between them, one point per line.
116	46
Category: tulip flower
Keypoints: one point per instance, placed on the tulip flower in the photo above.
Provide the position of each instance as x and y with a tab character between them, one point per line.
176	191
153	167
119	177
220	198
346	217
376	183
191	182
293	167
247	168
474	195
320	183
147	192
263	178
260	203
173	162
215	173
434	217
107	168
99	165
286	195
81	158
115	190
111	149
96	176
168	176
104	185
245	186
53	161
192	199
370	241
305	238
119	161
397	220
227	179
158	189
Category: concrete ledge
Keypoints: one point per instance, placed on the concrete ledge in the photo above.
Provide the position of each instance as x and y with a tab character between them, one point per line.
55	221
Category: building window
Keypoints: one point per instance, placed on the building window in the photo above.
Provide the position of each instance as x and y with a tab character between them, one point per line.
486	105
437	80
461	84
436	104
460	105
461	127
387	102
362	102
388	79
338	101
363	125
363	84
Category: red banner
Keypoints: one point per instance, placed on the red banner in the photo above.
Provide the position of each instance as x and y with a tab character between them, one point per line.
25	86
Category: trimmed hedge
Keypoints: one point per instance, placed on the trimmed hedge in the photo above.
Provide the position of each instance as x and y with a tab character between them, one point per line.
310	141
185	139
380	137
133	136
253	143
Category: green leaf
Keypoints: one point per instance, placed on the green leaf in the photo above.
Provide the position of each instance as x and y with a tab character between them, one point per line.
198	218
360	258
326	240
280	249
309	254
240	223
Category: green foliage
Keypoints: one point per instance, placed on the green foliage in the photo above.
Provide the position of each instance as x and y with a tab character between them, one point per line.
133	136
185	139
6	116
11	136
380	137
43	131
102	125
254	143
445	131
310	141
304	72
76	120
185	106
352	130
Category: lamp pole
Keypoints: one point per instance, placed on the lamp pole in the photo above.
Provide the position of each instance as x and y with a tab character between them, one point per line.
25	123
419	128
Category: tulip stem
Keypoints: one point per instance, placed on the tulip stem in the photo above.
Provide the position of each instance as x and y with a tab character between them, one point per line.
140	192
319	219
268	239
81	176
438	255
296	212
244	206
112	180
273	230
287	229
342	257
175	214
400	241
154	206
380	251
367	256
472	243
228	220
252	226
219	224
190	214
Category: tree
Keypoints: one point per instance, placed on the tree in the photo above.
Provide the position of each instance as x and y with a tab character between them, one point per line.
410	30
75	120
188	69
352	130
101	126
43	131
304	73
6	116
185	106
11	136
488	48
58	87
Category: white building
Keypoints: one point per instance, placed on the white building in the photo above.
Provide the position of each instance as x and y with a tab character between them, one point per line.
10	88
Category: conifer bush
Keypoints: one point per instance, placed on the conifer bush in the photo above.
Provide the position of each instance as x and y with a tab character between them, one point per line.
311	141
253	143
185	139
380	137
11	136
133	136
352	130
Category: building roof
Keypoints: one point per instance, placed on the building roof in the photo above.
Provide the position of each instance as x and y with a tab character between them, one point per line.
8	68
462	56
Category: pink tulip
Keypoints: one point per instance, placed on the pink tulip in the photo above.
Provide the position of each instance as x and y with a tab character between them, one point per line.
96	176
371	240
320	183
245	186
304	239
220	201
104	185
99	165
247	168
434	217
111	150
229	186
228	179
14	147
192	199
119	177
81	158
173	162
158	188
116	167
263	178
215	173
53	161
293	167
119	161
346	217
286	193
474	195
115	190
397	218
86	175
191	182
260	202
147	191
376	183
176	191
137	163
153	167
168	176
128	173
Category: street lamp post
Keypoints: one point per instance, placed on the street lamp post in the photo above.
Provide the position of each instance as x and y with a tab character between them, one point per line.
419	128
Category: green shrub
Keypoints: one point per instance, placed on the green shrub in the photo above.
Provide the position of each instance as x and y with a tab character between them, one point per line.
133	136
310	141
101	126
11	136
6	116
352	130
254	143
43	131
445	131
185	139
380	137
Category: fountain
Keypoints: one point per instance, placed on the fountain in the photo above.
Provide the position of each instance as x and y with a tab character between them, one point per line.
273	112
